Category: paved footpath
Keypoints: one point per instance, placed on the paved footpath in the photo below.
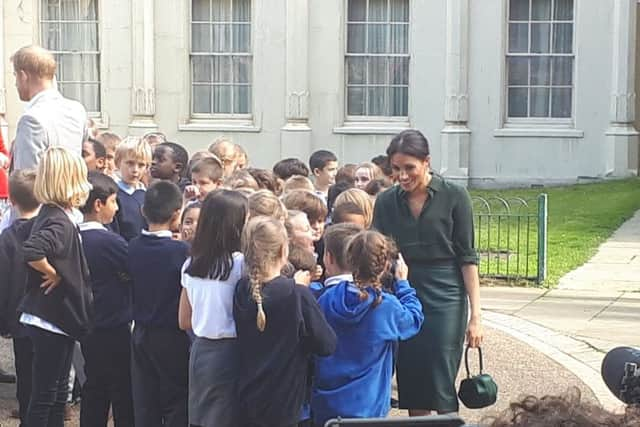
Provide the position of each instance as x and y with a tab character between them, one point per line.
594	309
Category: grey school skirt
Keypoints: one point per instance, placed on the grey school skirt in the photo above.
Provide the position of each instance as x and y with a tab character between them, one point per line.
213	373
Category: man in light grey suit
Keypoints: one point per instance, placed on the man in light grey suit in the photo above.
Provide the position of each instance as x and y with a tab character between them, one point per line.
49	119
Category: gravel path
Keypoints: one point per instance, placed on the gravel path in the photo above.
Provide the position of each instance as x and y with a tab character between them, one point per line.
517	368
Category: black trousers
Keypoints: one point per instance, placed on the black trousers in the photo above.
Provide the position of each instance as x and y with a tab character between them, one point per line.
160	376
50	377
107	366
23	359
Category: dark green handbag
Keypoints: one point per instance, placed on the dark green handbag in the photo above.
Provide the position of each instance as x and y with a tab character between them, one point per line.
478	391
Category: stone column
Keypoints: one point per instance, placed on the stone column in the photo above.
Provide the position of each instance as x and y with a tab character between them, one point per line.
456	135
622	137
143	92
296	133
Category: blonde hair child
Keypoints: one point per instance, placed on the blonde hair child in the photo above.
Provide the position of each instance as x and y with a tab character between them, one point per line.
56	305
361	199
265	203
279	327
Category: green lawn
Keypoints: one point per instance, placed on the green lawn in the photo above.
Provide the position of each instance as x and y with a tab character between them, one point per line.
580	218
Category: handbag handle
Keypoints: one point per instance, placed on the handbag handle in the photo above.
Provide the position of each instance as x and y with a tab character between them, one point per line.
466	360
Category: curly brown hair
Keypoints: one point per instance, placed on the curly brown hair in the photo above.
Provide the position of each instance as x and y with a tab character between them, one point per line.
368	255
566	410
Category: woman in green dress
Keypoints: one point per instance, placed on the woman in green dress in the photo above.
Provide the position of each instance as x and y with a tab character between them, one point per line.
431	220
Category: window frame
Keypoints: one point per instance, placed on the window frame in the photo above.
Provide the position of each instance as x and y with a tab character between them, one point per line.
537	122
370	123
99	117
199	121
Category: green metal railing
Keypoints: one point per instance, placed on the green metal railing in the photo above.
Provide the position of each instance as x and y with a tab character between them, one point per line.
511	237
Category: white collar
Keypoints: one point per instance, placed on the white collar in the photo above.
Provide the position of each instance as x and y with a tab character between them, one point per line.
91	225
159	233
334	280
129	189
39	95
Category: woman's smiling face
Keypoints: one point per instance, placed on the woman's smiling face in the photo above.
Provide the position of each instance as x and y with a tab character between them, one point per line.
410	172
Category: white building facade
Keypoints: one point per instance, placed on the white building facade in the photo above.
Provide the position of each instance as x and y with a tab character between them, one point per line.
508	92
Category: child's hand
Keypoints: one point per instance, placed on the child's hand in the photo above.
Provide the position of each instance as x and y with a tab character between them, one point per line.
402	271
51	281
317	274
191	192
302	277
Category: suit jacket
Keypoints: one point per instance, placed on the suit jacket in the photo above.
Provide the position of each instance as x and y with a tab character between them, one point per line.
49	120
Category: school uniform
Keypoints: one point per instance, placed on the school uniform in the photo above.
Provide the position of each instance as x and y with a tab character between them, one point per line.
129	221
213	363
55	320
354	382
274	363
106	349
13	271
160	350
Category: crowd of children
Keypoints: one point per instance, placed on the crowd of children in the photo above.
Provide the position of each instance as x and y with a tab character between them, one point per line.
203	291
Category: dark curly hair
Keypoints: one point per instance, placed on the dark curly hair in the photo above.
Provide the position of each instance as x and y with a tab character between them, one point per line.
567	410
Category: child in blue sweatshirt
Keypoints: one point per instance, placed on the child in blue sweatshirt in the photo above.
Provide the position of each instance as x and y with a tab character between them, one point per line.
355	381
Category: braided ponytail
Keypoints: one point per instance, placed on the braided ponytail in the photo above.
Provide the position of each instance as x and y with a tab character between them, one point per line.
263	240
368	254
256	294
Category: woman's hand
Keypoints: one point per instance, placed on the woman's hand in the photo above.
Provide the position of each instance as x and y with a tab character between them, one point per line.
475	334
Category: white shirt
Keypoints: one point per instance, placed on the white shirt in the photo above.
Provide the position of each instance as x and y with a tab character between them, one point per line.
212	301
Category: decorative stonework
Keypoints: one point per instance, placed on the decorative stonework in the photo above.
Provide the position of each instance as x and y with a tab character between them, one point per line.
144	101
297	63
298	105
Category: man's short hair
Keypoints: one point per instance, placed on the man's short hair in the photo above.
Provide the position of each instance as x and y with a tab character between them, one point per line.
320	158
35	61
341	211
211	167
98	148
161	201
103	186
134	147
306	202
21	190
336	239
286	168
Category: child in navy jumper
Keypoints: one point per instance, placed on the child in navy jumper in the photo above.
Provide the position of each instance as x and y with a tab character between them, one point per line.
57	305
279	326
106	349
353	383
13	271
133	157
160	350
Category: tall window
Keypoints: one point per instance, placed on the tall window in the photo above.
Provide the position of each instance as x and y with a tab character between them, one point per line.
221	60
540	58
377	59
69	28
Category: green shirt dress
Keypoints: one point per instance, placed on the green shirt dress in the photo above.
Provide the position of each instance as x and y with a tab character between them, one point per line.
434	246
